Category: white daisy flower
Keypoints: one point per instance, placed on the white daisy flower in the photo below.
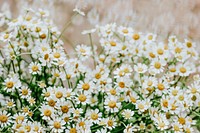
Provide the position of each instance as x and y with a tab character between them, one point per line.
140	68
127	113
35	68
5	119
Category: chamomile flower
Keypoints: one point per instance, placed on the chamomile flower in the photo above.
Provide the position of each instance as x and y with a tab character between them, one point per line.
143	105
57	125
83	51
5	37
157	66
47	112
161	122
76	112
110	123
127	113
35	68
10	103
94	116
83	98
185	69
123	71
140	68
112	104
123	84
125	31
5	119
25	92
59	93
12	83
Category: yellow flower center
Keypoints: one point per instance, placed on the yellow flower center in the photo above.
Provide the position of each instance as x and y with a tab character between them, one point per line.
121	84
181	97
112	43
140	69
30	113
194	90
140	106
136	36
174	92
65	109
21	118
85	86
112	104
150	37
25	109
187	130
6	36
172	69
94	116
189	44
127	115
3	118
124	47
26	44
82	98
178	50
161	124
152	55
57	125
132	99
10	104
35	68
59	94
160	51
182	69
194	98
125	31
28	18
165	103
66	119
149	83
110	123
9	84
24	92
46	56
97	75
157	65
37	29
82	124
82	50
113	92
28	128
56	55
173	107
36	128
43	36
68	76
47	112
47	94
73	130
51	103
181	120
161	86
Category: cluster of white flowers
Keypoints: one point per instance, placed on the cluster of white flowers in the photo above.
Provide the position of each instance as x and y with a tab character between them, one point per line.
136	84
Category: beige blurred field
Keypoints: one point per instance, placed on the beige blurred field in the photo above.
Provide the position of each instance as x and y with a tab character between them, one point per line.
164	17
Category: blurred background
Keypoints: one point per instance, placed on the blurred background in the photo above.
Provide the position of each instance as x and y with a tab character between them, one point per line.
164	17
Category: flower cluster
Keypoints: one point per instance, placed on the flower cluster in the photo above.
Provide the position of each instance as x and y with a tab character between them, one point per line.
135	84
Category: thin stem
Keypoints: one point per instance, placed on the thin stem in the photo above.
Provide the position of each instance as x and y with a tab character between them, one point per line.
91	43
67	25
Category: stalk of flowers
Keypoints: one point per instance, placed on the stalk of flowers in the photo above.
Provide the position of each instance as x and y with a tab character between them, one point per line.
137	84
